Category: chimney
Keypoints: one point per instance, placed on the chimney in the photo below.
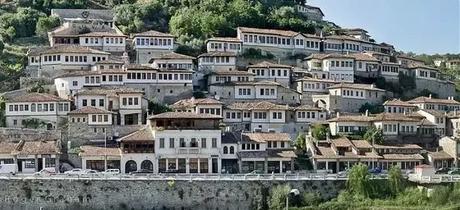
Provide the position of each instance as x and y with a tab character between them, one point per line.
338	114
429	96
367	112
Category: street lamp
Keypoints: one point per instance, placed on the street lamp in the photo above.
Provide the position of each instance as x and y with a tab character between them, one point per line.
294	192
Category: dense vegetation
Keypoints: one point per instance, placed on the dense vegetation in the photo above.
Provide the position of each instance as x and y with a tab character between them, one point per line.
362	192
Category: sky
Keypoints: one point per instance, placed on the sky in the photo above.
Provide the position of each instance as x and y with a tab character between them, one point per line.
419	26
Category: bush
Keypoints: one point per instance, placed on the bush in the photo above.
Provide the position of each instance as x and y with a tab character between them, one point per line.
278	197
257	54
372	108
358	182
310	199
45	24
319	132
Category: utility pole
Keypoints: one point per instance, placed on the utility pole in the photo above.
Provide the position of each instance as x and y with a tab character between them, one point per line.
105	149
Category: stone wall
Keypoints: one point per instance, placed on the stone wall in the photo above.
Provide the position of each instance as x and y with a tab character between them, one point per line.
81	133
117	195
17	134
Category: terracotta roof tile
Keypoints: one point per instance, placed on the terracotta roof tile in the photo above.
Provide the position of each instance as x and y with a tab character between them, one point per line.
423	99
153	33
268	31
440	155
398	102
266	64
321	56
87	151
224	39
36	148
264	137
403	157
144	134
190	103
364	57
235	72
218	53
36	97
64	49
174	55
356	86
184	115
90	110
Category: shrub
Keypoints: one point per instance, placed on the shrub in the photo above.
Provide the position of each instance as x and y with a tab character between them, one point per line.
278	197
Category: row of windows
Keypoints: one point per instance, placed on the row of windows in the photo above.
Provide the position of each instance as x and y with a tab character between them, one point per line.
309	44
267	91
322	86
395	109
154	41
341	63
160	76
93	102
110	67
100	118
129	101
174	66
229	79
353	93
97	79
393	69
307	115
232	150
426	73
261	72
244	91
193	143
250	146
337	77
41	107
78	119
220	59
347	129
111	40
274	144
230	46
210	111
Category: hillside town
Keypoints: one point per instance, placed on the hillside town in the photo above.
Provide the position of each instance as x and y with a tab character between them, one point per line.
266	101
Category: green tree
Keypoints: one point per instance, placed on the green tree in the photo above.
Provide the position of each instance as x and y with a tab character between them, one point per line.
374	135
319	131
2	112
300	141
2	46
24	21
156	108
278	197
358	182
396	180
372	108
45	24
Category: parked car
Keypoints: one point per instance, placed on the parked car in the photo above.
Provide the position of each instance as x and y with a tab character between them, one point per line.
8	168
91	172
454	172
376	170
46	172
111	172
75	171
442	170
141	172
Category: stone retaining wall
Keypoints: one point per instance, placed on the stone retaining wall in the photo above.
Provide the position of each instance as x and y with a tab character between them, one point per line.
109	194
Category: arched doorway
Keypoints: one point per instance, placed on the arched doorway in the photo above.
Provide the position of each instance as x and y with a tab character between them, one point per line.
49	126
130	166
147	165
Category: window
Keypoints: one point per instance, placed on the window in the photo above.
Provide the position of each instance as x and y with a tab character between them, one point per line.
93	102
162	143
214	142
232	150
203	142
225	150
101	102
171	142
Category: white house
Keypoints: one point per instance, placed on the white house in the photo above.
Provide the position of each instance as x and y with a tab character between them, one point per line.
311	12
217	61
272	72
423	102
173	60
51	61
398	106
224	44
49	109
151	44
187	142
89	16
339	67
199	106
